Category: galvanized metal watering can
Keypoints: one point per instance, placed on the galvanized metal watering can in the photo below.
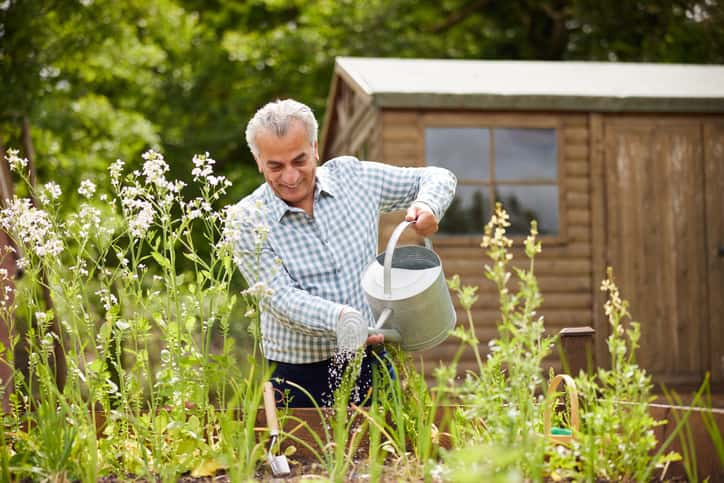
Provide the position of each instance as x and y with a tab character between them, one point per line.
406	289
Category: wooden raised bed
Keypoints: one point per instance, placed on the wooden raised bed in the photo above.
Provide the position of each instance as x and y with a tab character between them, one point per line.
577	345
707	459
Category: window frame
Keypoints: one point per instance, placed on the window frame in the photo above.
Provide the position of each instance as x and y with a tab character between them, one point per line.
493	121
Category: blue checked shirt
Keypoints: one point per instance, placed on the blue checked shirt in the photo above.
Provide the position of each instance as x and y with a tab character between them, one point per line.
313	265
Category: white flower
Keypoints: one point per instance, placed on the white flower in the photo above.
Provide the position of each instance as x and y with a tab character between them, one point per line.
31	226
116	169
142	221
6	295
107	298
203	166
87	188
258	290
16	162
81	268
176	186
154	169
50	191
88	220
138	211
23	263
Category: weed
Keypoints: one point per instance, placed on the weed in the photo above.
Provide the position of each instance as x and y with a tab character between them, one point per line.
617	431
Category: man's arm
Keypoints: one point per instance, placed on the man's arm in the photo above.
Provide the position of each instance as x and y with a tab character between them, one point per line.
425	193
288	304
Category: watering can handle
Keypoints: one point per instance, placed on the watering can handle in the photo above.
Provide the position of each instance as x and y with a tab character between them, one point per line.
389	251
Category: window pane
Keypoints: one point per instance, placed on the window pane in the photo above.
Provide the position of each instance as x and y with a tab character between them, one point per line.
468	213
525	154
524	203
464	151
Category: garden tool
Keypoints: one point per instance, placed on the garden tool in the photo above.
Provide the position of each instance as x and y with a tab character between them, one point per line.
279	464
561	435
406	289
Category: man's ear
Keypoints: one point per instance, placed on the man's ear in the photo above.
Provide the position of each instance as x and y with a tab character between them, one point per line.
316	151
258	163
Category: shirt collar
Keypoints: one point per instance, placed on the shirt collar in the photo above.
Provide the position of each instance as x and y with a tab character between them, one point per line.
278	208
324	183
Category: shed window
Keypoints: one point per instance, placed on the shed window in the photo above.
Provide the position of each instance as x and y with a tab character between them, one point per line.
516	166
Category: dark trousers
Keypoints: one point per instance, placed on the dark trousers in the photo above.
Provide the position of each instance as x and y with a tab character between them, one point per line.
321	379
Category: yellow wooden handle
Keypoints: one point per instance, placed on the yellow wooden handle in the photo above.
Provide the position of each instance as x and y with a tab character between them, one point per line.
572	396
270	408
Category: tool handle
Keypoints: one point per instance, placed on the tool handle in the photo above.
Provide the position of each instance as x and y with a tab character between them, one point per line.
270	408
389	251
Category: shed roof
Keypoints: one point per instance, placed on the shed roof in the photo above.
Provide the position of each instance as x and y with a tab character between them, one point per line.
536	85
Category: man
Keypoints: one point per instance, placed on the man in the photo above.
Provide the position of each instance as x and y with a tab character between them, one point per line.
319	231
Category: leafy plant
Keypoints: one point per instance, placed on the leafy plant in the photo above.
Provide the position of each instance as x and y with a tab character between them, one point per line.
617	431
148	392
503	394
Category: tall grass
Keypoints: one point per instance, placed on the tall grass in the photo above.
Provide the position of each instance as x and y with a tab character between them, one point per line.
154	387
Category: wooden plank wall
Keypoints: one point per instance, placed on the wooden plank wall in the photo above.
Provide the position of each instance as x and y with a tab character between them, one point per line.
565	266
642	194
714	189
656	238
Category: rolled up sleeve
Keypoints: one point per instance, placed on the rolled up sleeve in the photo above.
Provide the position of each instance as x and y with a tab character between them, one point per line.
399	187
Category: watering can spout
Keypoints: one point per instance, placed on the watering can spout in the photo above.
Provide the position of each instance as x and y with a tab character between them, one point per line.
391	335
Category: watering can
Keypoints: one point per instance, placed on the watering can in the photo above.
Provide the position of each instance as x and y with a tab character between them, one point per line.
406	289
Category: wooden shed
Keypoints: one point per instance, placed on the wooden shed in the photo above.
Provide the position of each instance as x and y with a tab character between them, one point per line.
622	164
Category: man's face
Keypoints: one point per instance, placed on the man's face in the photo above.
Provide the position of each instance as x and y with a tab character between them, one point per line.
288	164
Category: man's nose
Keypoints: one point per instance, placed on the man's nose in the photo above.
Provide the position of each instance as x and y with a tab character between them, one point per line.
290	177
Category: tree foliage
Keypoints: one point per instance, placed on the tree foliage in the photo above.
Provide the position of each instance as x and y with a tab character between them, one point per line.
100	80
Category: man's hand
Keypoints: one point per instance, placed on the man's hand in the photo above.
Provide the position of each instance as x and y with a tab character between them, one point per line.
425	221
375	339
352	331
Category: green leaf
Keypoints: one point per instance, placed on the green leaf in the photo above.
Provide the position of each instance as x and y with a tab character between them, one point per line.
161	260
105	330
208	467
96	365
190	323
193	257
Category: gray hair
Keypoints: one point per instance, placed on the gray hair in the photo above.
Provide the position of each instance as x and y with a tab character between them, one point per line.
277	116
